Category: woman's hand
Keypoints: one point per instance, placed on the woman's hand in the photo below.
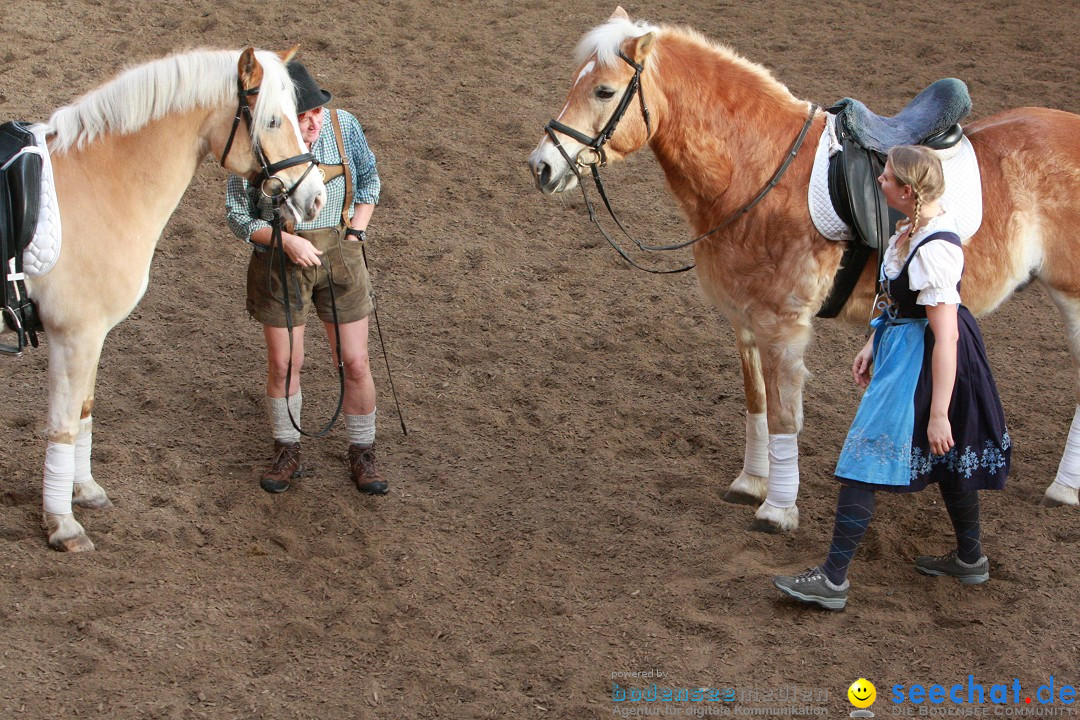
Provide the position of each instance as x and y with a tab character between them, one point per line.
860	369
939	433
300	250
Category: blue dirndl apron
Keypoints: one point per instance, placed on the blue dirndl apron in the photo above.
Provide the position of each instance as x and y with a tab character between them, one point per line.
877	450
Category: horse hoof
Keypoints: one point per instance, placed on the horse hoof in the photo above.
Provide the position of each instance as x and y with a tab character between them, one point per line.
90	495
100	503
79	543
1058	495
747	489
774	520
66	534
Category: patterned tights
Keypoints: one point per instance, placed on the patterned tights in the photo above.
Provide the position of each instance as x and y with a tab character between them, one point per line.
855	507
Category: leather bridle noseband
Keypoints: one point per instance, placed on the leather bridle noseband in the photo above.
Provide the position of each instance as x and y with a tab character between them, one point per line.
271	185
594	157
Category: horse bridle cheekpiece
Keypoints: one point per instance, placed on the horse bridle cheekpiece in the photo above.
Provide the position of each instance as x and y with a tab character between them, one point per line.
269	183
595	146
593	156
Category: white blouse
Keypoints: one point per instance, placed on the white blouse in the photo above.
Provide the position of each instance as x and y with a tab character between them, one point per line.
936	268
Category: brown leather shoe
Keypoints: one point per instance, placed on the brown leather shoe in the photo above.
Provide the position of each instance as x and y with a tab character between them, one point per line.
367	477
287	465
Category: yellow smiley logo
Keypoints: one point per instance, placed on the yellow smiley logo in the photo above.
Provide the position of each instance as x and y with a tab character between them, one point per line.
862	693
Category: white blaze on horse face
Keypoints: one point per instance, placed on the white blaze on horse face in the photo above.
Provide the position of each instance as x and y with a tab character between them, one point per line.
549	167
286	141
585	71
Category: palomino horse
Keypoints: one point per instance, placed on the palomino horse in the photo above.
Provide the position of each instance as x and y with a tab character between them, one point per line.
720	126
122	157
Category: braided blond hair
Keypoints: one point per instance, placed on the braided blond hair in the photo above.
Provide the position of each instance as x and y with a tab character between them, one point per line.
920	168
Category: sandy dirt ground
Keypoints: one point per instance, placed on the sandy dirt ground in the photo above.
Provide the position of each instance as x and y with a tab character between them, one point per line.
556	512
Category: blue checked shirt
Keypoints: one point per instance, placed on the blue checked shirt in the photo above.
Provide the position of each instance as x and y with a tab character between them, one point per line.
247	209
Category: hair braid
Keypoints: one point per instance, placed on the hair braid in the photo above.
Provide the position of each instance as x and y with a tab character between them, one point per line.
902	248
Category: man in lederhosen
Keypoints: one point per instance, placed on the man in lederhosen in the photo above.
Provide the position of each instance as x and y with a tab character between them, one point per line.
329	246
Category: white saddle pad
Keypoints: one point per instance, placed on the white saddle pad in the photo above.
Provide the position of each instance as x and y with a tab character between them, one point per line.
963	186
41	254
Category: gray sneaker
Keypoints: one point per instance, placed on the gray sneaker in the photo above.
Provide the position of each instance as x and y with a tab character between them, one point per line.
813	587
949	564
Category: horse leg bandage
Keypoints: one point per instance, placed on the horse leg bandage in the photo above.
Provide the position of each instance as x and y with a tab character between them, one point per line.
1069	470
783	470
59	478
83	442
756	458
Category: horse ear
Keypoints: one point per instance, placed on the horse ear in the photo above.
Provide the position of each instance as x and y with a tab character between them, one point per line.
249	69
639	48
288	55
619	14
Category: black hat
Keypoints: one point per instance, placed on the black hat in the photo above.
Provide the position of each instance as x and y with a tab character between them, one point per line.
308	93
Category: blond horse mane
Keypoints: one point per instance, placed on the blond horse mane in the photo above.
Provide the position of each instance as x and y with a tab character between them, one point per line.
605	41
177	83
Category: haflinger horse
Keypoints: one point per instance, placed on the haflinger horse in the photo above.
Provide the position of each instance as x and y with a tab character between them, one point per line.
720	126
122	156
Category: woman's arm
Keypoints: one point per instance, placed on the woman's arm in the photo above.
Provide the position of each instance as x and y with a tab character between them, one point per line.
942	319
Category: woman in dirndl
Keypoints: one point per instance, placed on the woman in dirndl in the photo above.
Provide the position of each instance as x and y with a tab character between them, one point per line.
931	412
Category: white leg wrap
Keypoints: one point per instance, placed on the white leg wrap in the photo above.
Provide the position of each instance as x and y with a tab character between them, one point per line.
1069	470
756	459
783	470
82	450
59	478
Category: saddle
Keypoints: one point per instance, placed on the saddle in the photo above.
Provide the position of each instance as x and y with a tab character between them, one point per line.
931	119
20	196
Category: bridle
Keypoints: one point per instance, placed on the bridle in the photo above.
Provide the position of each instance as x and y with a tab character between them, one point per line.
593	156
271	185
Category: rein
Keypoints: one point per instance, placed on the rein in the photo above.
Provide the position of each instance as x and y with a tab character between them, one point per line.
593	156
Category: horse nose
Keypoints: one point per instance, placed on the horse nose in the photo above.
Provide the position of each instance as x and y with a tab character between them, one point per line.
316	206
542	174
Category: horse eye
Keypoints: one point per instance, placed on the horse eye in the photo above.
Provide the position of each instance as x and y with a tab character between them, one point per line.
604	93
274	123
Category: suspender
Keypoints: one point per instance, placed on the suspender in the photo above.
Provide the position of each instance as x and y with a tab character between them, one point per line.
348	203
